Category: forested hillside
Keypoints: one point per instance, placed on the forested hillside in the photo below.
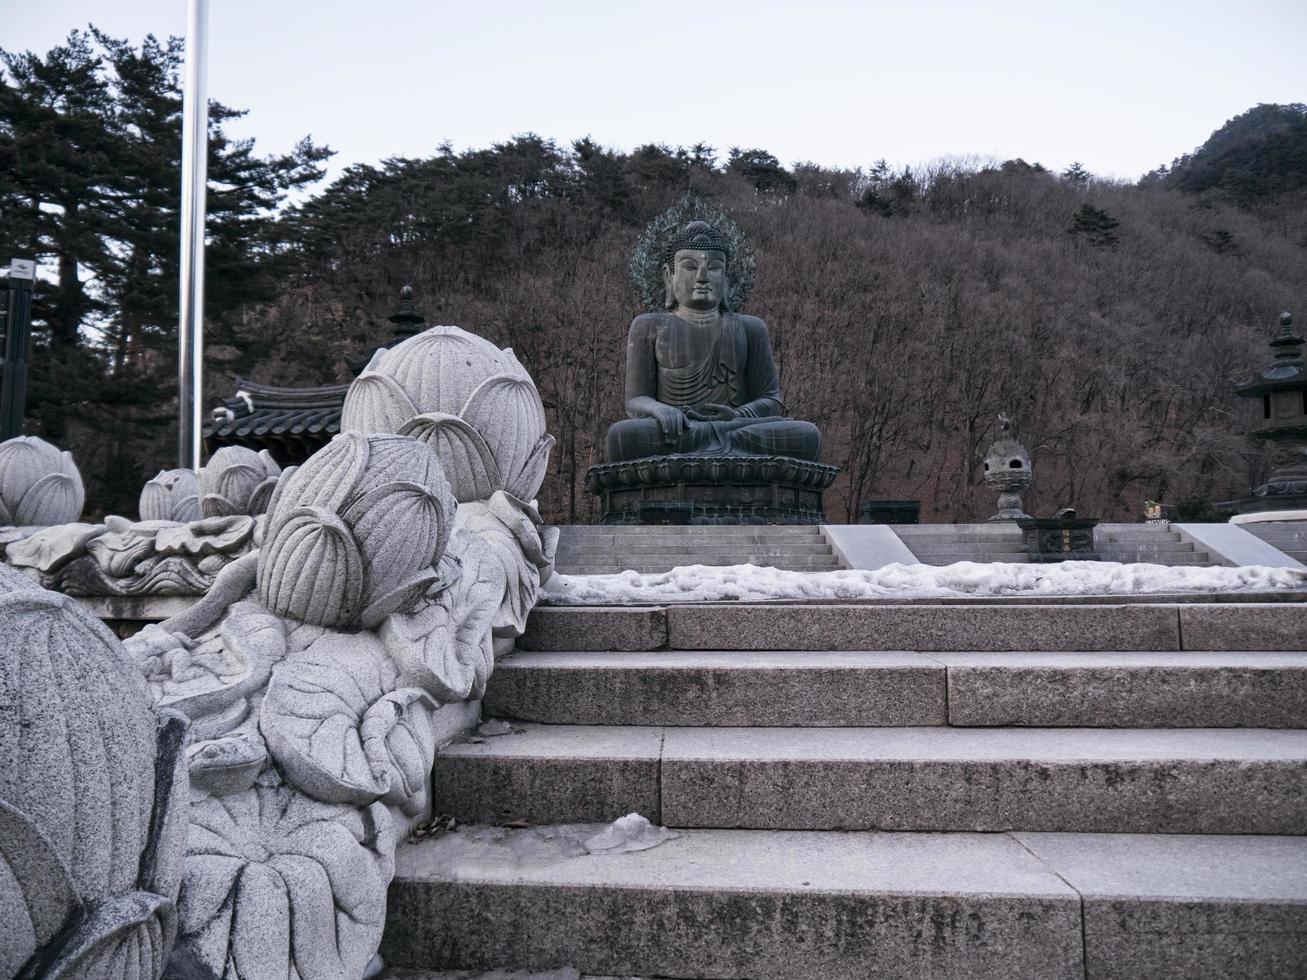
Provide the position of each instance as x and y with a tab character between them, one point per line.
908	308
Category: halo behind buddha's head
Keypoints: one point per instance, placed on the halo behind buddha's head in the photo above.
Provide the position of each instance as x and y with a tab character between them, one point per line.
690	223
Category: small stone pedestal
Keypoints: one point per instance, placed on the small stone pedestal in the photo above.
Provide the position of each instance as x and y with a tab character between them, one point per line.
711	490
1059	539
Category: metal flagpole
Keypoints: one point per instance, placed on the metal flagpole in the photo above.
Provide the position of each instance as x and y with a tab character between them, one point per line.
195	166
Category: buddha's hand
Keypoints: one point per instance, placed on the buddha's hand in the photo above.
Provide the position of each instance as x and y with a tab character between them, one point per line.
712	412
671	420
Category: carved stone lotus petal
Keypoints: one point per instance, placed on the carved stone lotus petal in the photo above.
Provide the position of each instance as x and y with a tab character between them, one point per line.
237	483
507	412
398	527
173	495
128	937
88	738
441	367
376	403
50	500
39	485
260	497
311	569
326	480
527	483
464	456
216	505
156	501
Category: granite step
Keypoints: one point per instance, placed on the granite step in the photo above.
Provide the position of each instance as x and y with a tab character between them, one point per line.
1080	780
655	564
846	906
861	688
792	532
1028	626
718	548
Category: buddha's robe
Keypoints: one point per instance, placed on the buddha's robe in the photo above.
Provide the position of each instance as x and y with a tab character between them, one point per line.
687	365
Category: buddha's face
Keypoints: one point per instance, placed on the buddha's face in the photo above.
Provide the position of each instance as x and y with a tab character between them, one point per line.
697	279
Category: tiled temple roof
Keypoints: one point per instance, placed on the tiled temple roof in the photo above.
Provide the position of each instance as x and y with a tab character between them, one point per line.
291	423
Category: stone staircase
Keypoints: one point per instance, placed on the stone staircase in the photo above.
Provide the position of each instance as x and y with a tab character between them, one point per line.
606	549
943	544
970	790
1157	544
1289	536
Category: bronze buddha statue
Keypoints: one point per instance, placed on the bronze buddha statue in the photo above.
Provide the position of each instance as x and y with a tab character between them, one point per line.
699	377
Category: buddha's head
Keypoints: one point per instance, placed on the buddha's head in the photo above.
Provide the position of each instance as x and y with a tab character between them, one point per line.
694	268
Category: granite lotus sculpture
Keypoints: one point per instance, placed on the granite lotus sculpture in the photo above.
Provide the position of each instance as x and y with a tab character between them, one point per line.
39	485
93	799
171	550
173	495
237	480
473	403
478	409
313	673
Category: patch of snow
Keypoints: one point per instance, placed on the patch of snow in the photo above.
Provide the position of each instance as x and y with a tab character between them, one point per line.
493	727
629	833
707	583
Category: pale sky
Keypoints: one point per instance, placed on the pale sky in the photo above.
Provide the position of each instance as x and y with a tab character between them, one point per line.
1119	86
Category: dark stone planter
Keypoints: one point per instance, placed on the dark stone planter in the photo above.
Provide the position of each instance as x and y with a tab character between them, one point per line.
711	490
1059	539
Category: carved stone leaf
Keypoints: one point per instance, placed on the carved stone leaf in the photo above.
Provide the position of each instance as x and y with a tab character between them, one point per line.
508	414
49	549
311	569
213	535
375	403
446	646
467	461
501	549
397	738
312	717
280	886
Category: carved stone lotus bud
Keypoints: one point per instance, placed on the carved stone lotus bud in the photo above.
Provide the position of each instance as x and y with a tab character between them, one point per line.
173	495
237	480
93	798
471	402
39	485
356	533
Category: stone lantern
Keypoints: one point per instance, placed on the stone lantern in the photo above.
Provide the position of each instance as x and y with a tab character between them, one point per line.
1007	471
1280	416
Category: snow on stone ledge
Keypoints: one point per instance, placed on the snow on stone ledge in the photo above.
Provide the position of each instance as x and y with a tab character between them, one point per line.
707	583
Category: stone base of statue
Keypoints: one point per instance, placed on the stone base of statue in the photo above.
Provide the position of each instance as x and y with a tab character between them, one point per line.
1059	538
718	489
1284	489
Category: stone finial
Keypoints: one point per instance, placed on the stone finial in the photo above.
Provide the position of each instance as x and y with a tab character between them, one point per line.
473	403
356	533
173	495
237	480
39	485
93	809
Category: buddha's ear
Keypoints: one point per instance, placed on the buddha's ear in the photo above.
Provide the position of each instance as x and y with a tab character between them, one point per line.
669	300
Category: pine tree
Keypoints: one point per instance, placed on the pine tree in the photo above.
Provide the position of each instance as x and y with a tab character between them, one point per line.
1096	226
